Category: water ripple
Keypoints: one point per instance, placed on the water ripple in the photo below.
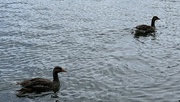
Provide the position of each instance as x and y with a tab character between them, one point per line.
92	40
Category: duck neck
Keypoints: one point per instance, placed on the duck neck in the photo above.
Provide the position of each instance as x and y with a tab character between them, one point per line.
55	76
153	23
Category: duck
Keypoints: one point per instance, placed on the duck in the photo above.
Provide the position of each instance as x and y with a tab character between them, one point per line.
39	85
144	30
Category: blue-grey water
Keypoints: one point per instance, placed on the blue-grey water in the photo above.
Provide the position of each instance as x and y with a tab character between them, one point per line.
92	40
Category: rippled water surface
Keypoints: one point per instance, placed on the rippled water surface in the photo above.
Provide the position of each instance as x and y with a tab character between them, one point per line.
92	40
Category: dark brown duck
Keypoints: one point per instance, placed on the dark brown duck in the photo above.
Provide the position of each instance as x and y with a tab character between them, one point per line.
144	30
39	85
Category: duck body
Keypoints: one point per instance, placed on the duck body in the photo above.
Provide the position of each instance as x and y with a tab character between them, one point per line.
144	30
38	85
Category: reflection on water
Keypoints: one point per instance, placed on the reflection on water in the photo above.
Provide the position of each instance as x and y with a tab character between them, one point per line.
92	40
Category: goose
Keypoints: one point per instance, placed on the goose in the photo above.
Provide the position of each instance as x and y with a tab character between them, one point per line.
38	85
144	30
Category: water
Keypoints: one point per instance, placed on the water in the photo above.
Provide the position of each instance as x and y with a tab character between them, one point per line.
92	40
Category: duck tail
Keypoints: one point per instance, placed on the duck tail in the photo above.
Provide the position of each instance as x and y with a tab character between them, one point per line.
24	91
18	83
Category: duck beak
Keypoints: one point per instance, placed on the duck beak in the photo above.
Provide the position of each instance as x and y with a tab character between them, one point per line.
63	70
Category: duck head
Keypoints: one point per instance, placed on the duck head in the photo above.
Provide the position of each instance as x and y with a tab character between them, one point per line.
58	69
155	18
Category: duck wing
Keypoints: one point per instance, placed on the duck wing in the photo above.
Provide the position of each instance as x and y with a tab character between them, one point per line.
35	82
37	85
143	27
